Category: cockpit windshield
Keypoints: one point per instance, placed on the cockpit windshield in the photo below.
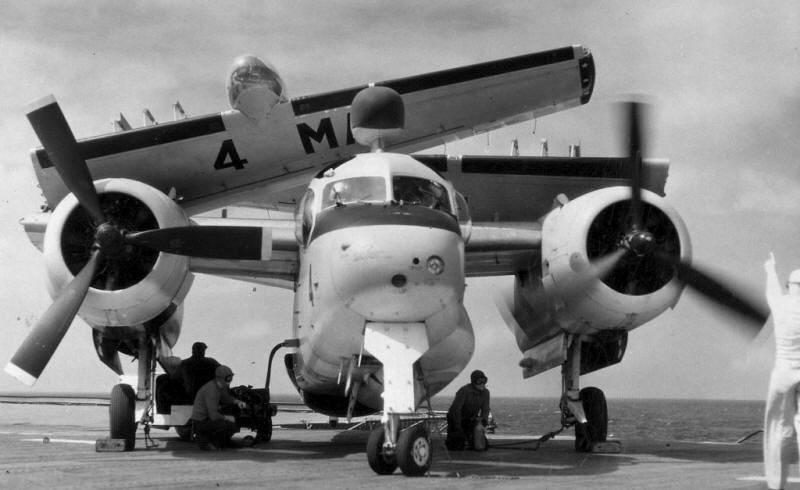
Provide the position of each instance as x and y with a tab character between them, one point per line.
354	190
420	192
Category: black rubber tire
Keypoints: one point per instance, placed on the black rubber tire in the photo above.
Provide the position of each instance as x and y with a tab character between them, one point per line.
377	461
264	433
414	451
184	432
122	415
596	427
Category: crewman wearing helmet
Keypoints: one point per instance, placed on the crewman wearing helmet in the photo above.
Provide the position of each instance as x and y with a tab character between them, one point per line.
213	429
781	417
469	410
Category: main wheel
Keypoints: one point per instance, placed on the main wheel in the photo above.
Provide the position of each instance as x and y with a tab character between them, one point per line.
596	427
122	415
264	433
380	463
414	451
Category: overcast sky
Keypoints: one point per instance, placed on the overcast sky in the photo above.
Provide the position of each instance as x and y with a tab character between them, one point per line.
724	78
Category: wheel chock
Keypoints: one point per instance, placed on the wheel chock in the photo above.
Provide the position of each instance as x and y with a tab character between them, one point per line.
109	445
607	447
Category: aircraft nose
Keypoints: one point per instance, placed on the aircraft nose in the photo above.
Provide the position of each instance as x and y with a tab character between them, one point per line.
398	273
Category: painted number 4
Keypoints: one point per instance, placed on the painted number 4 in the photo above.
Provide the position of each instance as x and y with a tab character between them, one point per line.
228	157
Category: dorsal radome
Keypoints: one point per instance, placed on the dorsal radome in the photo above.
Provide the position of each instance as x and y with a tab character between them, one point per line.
377	117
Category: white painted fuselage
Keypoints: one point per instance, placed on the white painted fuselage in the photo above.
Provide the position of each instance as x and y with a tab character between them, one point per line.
382	261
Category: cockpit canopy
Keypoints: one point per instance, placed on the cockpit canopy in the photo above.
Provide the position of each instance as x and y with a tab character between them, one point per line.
254	87
404	190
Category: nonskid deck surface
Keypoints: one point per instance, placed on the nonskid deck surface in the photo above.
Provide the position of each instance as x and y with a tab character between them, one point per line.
53	447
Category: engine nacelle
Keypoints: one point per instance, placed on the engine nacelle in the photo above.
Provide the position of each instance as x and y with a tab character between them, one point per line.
136	286
254	87
639	288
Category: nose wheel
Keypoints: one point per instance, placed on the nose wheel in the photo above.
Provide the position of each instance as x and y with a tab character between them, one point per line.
382	460
413	452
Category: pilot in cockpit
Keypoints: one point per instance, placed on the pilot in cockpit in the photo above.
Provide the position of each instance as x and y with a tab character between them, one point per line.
340	193
419	192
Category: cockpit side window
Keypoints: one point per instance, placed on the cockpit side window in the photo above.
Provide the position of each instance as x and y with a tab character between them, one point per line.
420	192
353	191
463	216
304	217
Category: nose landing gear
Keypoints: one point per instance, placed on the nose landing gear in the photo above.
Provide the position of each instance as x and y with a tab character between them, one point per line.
398	346
413	452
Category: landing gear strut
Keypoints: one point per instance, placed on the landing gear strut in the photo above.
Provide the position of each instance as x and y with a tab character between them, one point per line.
123	403
585	409
398	346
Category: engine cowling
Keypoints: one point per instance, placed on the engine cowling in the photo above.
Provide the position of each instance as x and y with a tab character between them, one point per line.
639	287
136	285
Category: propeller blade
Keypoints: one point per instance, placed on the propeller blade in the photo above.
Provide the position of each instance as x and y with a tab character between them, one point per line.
756	313
635	165
56	136
213	242
38	347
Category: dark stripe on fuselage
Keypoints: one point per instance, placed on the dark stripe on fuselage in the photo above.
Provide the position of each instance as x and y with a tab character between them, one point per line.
355	216
608	168
136	139
341	98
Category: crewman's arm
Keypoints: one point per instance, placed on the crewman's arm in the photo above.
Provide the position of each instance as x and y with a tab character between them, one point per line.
774	290
485	408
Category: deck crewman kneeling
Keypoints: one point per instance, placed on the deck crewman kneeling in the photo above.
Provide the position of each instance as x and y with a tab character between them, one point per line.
469	410
213	429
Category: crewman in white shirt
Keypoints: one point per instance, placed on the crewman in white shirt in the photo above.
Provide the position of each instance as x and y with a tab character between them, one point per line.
782	420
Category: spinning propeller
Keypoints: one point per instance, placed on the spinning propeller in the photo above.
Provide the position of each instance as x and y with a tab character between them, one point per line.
633	248
642	243
115	243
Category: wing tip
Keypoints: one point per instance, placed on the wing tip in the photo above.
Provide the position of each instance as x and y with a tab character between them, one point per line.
19	374
39	103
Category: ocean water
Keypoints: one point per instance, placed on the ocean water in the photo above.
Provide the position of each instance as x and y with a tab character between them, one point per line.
685	420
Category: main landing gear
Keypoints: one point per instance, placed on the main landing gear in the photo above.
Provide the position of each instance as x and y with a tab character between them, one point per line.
398	346
122	415
130	406
585	409
122	407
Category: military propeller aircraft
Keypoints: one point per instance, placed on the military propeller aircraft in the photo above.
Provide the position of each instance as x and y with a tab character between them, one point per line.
380	246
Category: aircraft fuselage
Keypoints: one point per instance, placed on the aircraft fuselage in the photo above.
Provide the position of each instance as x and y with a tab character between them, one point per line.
378	263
